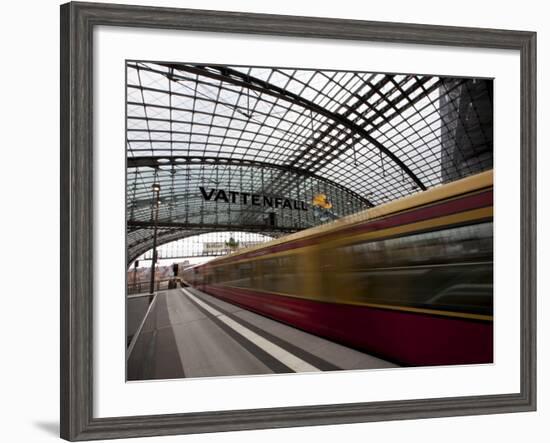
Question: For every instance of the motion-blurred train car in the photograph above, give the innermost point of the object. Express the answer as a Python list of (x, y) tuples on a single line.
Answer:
[(410, 281)]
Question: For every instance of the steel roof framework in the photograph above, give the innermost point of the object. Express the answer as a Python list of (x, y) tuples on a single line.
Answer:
[(360, 138)]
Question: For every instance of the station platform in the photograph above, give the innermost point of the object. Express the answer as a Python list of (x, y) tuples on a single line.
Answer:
[(187, 333)]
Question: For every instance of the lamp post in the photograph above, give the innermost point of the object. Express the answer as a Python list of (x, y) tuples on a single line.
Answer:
[(155, 217), (136, 264)]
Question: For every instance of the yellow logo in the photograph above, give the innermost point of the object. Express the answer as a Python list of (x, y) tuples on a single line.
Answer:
[(321, 201)]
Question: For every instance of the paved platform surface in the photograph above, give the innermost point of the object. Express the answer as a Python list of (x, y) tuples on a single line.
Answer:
[(187, 333)]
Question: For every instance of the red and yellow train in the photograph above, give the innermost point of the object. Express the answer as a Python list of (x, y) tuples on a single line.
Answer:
[(410, 281)]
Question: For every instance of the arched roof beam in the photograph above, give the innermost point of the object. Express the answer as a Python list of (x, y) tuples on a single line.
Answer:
[(158, 161), (225, 74), (146, 243), (211, 226)]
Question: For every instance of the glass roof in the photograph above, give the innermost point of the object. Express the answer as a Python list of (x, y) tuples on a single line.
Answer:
[(361, 138)]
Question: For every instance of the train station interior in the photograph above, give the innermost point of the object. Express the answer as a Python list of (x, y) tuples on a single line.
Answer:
[(224, 159)]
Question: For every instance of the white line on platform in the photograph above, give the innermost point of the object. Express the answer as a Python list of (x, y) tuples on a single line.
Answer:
[(285, 357), (138, 331)]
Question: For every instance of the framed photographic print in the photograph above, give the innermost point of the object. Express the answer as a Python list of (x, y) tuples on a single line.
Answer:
[(274, 221)]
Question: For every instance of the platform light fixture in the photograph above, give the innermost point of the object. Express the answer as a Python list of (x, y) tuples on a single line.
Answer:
[(155, 217)]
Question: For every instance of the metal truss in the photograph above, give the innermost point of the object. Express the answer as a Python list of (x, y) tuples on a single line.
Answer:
[(360, 138)]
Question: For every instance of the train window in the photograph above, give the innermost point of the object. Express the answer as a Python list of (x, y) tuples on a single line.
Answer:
[(450, 269), (466, 242), (280, 274), (220, 274), (241, 275)]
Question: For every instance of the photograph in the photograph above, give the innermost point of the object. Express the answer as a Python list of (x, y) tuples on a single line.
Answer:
[(284, 219), (309, 223), (266, 222)]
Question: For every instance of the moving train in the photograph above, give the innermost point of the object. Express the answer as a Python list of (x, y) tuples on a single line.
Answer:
[(410, 281)]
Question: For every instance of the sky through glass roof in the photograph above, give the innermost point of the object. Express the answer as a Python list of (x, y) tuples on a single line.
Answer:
[(361, 138)]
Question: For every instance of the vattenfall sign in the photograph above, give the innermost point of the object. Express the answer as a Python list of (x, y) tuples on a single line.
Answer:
[(247, 198)]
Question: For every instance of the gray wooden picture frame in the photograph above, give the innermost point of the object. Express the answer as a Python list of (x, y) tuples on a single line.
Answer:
[(77, 24)]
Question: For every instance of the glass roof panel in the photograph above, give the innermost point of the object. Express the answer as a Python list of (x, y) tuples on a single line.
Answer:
[(367, 137)]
